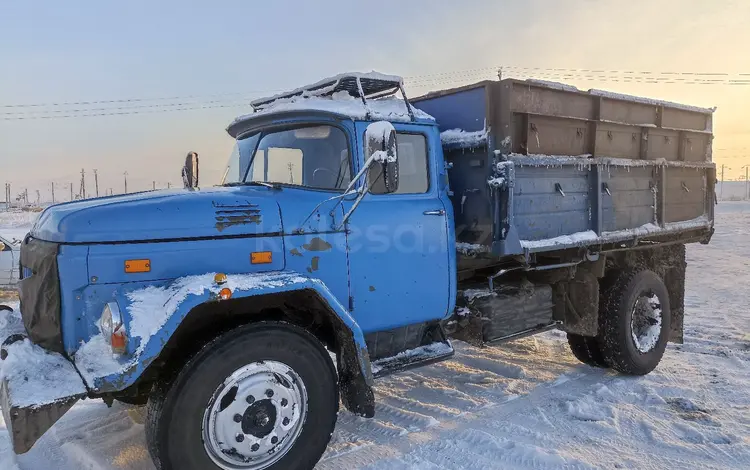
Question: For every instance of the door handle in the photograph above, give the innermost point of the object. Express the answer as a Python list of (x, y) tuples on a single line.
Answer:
[(435, 212)]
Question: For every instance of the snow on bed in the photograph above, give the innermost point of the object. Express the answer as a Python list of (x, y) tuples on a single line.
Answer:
[(463, 139), (525, 404), (650, 101), (586, 161), (589, 236), (554, 85), (577, 238)]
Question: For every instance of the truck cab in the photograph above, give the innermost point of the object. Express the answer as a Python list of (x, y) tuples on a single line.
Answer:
[(332, 228)]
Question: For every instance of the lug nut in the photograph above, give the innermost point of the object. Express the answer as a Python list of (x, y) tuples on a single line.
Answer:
[(239, 437), (286, 422), (284, 402), (250, 399), (255, 447), (269, 393), (274, 440), (237, 418)]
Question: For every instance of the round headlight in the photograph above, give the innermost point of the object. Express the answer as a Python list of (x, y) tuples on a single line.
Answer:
[(106, 324), (111, 321)]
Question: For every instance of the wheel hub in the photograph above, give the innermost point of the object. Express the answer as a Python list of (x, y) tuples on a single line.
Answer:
[(259, 419), (255, 416), (646, 322)]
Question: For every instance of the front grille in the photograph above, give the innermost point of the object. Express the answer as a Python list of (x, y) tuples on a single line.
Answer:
[(39, 293)]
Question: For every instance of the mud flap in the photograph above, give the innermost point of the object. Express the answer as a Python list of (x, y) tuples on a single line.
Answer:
[(38, 387), (27, 424)]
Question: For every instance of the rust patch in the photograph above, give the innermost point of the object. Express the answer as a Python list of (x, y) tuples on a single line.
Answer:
[(372, 288), (295, 252), (224, 221), (317, 244), (236, 214), (314, 264)]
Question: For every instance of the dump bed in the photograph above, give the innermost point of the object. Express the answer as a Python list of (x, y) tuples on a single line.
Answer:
[(540, 166)]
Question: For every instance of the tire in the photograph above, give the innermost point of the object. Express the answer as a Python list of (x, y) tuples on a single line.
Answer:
[(178, 409), (586, 349), (626, 351)]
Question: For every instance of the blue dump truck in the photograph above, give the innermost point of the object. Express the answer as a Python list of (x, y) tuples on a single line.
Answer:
[(354, 233)]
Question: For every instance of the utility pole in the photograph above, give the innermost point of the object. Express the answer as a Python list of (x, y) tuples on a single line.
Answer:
[(500, 73), (26, 196), (96, 182), (169, 185), (82, 191), (53, 192), (154, 185), (721, 191), (747, 182), (38, 197), (71, 191), (126, 182)]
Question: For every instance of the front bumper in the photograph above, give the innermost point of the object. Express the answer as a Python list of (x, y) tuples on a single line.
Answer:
[(37, 387)]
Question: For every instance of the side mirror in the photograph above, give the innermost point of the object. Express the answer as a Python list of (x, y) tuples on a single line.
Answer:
[(190, 171), (382, 175)]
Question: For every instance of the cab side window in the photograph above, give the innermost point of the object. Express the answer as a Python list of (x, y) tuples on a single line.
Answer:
[(413, 172)]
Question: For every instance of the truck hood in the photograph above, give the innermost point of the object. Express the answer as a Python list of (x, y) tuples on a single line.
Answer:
[(176, 214)]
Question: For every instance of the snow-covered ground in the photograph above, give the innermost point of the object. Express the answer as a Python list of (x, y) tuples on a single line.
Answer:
[(525, 404)]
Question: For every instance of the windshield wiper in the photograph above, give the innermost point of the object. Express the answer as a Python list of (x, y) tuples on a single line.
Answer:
[(255, 183)]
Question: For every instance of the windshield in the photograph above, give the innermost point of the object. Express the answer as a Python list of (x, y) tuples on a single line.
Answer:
[(312, 156)]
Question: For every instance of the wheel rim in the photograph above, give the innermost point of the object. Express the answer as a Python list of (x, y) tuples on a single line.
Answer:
[(646, 322), (255, 416)]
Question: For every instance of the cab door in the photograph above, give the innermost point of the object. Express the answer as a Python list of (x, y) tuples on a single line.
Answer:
[(399, 259)]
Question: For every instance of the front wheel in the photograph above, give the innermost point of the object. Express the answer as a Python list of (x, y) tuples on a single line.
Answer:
[(263, 396), (634, 321)]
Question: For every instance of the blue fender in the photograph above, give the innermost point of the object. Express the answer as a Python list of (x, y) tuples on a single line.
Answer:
[(152, 313)]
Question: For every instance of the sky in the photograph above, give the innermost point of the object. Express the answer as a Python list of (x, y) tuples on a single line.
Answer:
[(217, 56)]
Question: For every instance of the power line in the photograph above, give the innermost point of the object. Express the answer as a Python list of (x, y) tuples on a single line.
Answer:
[(132, 100), (433, 77), (119, 108), (66, 116)]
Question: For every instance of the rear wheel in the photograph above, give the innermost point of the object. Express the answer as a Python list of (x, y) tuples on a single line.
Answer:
[(586, 350), (263, 396), (634, 322)]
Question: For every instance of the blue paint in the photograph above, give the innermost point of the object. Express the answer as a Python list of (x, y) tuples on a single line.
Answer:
[(464, 110)]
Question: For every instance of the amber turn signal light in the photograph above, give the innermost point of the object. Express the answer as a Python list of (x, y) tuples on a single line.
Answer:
[(225, 293), (260, 257), (137, 266)]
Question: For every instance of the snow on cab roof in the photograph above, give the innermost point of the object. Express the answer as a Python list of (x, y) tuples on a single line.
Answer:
[(341, 94)]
